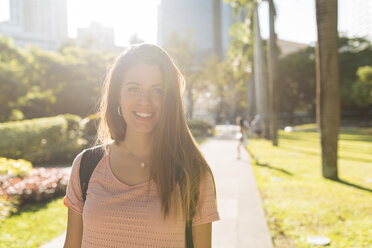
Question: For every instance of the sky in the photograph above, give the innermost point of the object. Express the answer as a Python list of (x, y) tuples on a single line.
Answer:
[(295, 18)]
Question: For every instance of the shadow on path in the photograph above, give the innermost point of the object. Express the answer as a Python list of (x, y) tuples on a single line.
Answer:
[(272, 168), (267, 165), (351, 184)]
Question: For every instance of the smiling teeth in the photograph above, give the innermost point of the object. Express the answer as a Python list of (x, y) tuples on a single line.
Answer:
[(144, 115)]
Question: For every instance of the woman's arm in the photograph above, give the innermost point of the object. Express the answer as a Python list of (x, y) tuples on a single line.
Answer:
[(202, 235), (74, 230)]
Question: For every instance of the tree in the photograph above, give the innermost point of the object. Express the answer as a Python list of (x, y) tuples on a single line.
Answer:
[(240, 56), (11, 88), (296, 79), (217, 38), (224, 87), (264, 91), (296, 83), (68, 81), (259, 77), (328, 100), (44, 83), (135, 39), (83, 84), (182, 49), (272, 64), (362, 89), (13, 83), (353, 54)]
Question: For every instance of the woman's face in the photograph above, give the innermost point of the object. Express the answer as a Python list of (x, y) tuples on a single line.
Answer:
[(141, 98)]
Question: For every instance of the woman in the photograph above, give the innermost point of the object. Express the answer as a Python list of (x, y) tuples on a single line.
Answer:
[(152, 179), (242, 135)]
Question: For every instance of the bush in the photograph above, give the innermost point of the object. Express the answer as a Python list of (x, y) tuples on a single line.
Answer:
[(200, 128), (7, 207), (40, 185), (362, 89), (90, 127), (14, 167), (43, 140)]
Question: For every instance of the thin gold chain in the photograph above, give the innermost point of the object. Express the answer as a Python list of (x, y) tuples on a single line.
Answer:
[(142, 162)]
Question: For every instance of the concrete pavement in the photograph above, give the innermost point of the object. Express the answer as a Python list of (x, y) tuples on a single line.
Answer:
[(242, 223), (57, 242)]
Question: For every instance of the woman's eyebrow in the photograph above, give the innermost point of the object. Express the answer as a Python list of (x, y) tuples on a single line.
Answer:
[(131, 82)]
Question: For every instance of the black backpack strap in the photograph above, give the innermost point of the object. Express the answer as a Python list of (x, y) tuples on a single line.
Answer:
[(190, 243), (89, 161)]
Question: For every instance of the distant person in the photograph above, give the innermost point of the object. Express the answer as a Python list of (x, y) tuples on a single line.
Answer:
[(152, 183), (242, 135)]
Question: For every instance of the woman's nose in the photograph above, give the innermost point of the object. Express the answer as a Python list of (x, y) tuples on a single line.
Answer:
[(145, 95)]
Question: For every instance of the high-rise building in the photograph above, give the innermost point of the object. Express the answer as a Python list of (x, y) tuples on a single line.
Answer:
[(287, 47), (37, 22), (16, 12), (207, 20), (97, 35), (360, 18)]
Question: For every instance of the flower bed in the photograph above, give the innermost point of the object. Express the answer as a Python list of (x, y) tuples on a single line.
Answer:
[(39, 185)]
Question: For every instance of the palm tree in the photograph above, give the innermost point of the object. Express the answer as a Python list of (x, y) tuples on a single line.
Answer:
[(327, 86), (259, 78), (217, 38), (272, 64), (257, 64)]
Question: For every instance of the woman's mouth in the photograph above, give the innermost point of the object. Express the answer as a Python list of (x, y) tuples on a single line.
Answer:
[(143, 115)]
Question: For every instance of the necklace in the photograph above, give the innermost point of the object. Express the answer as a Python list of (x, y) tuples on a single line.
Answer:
[(142, 162)]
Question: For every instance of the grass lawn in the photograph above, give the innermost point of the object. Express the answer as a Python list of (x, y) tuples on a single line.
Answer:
[(34, 225), (300, 203)]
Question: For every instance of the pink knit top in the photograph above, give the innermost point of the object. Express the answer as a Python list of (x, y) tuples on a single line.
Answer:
[(118, 215)]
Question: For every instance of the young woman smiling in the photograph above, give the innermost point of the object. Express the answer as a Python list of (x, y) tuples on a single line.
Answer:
[(152, 181)]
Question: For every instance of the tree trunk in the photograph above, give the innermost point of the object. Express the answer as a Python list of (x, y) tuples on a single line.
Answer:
[(250, 99), (259, 79), (217, 37), (190, 104), (327, 87), (272, 77)]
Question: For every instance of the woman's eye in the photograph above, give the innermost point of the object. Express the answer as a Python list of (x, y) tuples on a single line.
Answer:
[(134, 89), (158, 91)]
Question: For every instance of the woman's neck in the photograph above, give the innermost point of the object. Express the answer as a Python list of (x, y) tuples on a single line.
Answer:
[(138, 144)]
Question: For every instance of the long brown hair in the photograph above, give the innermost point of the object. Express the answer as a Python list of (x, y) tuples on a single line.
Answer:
[(176, 157)]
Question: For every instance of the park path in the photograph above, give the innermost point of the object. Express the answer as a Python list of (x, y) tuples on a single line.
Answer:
[(242, 223)]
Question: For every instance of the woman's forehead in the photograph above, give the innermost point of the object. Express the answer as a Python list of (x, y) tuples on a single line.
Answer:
[(143, 73)]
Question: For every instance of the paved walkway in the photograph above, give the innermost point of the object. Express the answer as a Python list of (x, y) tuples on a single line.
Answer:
[(242, 223)]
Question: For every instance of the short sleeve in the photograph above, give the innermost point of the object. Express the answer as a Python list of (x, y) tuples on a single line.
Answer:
[(206, 209), (73, 198)]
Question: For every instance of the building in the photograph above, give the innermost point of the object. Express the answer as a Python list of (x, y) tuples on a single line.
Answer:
[(97, 34), (360, 18), (287, 47), (41, 23), (208, 21)]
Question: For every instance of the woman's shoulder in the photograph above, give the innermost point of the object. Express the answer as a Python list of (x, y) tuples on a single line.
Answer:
[(99, 150), (77, 159), (206, 178), (75, 167)]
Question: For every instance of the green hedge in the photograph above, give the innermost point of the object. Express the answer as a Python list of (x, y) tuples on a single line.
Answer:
[(43, 140), (200, 128), (90, 126)]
